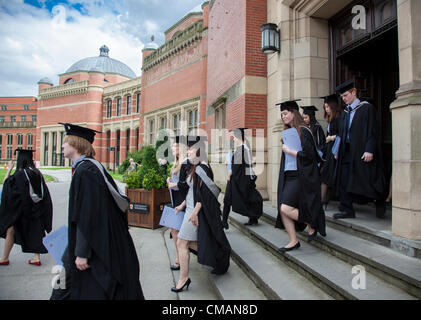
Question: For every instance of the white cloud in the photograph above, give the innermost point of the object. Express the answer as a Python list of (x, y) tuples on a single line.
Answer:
[(37, 44)]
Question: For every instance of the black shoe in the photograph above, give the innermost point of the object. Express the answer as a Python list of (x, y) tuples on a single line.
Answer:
[(283, 249), (344, 215), (225, 225), (381, 211), (251, 222), (175, 267), (187, 283), (324, 204), (312, 236)]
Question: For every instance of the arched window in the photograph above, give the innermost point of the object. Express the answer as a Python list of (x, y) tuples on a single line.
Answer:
[(70, 80)]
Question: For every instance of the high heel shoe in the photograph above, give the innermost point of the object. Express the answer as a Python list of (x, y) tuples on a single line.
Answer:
[(5, 263), (186, 284)]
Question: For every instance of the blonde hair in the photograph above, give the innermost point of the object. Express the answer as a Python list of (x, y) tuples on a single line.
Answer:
[(82, 146)]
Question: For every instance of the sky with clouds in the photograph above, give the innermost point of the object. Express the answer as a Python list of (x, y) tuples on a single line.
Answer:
[(43, 38)]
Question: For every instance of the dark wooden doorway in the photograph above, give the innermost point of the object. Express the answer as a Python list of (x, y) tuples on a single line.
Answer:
[(371, 58)]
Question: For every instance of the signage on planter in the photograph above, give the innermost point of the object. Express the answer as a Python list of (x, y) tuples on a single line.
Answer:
[(138, 208), (162, 205)]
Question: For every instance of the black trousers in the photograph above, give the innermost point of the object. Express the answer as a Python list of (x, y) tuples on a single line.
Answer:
[(345, 198)]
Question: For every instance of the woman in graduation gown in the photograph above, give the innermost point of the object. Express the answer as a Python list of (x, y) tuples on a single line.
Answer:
[(26, 210), (202, 227), (178, 187), (299, 190), (245, 199), (329, 170), (100, 261), (309, 117)]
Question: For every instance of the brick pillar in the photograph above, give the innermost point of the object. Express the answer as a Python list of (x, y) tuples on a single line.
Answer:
[(123, 152)]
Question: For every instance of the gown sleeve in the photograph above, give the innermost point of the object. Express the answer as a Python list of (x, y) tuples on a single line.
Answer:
[(82, 248)]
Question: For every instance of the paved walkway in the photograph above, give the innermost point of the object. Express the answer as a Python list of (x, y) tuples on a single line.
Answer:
[(21, 281)]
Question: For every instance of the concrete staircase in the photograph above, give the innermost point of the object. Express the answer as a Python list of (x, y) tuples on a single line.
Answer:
[(320, 270), (323, 268)]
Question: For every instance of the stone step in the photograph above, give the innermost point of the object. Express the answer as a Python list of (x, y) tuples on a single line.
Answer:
[(234, 285), (327, 271), (396, 268), (368, 227), (275, 279)]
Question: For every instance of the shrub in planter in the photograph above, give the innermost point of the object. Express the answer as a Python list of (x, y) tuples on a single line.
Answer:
[(132, 180), (153, 180)]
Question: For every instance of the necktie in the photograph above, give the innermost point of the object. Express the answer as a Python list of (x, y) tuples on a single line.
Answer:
[(347, 122)]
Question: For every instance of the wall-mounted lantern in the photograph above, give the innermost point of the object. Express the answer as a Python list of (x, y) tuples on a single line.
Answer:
[(270, 38)]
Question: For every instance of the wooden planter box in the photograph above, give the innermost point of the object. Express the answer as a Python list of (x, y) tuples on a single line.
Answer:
[(144, 209)]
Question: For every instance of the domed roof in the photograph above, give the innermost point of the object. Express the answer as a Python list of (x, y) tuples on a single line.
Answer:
[(102, 63), (45, 80)]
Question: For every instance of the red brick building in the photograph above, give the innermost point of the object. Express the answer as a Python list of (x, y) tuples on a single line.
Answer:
[(236, 77), (174, 79), (79, 99), (18, 119)]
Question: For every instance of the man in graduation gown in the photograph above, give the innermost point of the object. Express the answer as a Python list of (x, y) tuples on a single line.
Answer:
[(100, 261), (244, 197), (360, 158)]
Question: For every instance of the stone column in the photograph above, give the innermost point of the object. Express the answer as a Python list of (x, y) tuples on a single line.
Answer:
[(50, 147), (113, 143), (406, 125)]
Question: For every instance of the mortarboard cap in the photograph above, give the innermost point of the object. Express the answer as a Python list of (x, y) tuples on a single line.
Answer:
[(289, 105), (180, 139), (192, 140), (239, 133), (310, 110), (330, 98), (344, 87), (24, 152), (75, 130)]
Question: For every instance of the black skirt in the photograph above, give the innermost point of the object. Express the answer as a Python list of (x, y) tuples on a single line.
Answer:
[(291, 189)]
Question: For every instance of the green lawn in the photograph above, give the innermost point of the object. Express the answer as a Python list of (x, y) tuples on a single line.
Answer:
[(3, 173), (116, 175)]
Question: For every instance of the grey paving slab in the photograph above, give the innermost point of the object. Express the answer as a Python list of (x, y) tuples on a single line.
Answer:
[(21, 281), (200, 288), (329, 268), (155, 276), (281, 279)]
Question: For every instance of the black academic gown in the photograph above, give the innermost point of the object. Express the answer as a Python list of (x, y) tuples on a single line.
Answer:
[(114, 265), (244, 197), (319, 136), (31, 221), (180, 195), (366, 179), (310, 207), (212, 244), (329, 171)]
